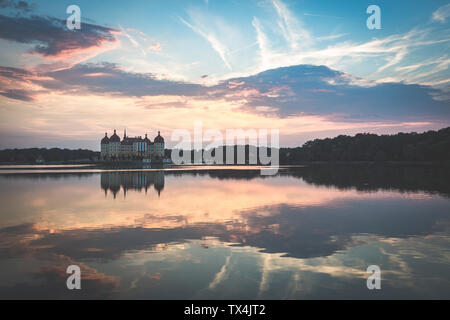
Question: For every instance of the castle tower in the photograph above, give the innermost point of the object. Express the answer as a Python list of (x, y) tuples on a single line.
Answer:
[(104, 147)]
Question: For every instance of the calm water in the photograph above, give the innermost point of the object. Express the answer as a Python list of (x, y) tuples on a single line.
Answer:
[(306, 233)]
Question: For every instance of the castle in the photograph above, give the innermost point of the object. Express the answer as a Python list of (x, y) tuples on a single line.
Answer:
[(128, 148)]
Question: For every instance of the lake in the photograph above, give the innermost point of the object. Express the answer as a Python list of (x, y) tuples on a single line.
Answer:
[(305, 233)]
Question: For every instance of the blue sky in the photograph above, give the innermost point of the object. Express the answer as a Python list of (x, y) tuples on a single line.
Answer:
[(197, 47), (177, 26), (182, 29)]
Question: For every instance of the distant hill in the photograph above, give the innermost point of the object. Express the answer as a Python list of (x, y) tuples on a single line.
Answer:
[(34, 155), (427, 146)]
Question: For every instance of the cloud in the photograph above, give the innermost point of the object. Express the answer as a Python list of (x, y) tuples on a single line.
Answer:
[(108, 78), (383, 54), (17, 94), (14, 73), (50, 37), (263, 44), (303, 90), (213, 39), (19, 5), (141, 40), (331, 37), (426, 69), (442, 13), (319, 90), (98, 79), (16, 84), (155, 47), (292, 28), (267, 224), (321, 15), (224, 37), (222, 275)]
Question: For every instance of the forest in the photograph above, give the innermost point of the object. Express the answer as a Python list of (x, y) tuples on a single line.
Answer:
[(430, 146), (33, 155), (427, 146)]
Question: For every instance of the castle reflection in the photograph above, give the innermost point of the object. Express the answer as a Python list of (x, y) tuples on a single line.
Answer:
[(134, 181)]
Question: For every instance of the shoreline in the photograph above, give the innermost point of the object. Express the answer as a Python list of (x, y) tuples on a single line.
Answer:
[(137, 166)]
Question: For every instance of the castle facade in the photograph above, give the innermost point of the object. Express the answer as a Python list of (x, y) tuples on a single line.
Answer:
[(129, 148)]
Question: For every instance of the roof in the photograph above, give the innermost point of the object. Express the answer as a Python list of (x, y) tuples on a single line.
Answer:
[(105, 139), (114, 137), (130, 141), (159, 139)]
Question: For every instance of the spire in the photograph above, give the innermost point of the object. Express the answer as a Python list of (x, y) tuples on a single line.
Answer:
[(114, 131), (124, 133), (158, 132), (106, 134)]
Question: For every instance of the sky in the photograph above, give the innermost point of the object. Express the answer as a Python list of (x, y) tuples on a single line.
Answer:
[(312, 69)]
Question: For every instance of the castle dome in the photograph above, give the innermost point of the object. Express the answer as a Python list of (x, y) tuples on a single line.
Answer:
[(105, 139), (146, 139), (159, 139), (114, 137)]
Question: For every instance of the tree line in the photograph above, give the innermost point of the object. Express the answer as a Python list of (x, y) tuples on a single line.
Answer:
[(427, 146), (33, 155)]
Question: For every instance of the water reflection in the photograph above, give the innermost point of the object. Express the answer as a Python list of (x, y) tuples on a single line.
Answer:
[(306, 233), (135, 181)]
